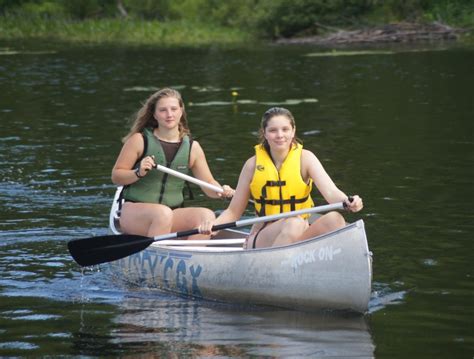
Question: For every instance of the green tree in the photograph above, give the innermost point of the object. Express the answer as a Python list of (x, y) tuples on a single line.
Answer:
[(291, 17), (83, 9)]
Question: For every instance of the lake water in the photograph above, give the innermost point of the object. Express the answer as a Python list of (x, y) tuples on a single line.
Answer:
[(394, 125)]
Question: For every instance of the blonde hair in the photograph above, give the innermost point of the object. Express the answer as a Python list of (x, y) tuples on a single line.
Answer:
[(145, 116), (267, 116)]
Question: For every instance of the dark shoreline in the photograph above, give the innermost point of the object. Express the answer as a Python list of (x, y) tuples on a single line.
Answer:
[(402, 32)]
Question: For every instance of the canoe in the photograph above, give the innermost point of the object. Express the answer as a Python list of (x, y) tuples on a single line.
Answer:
[(328, 272)]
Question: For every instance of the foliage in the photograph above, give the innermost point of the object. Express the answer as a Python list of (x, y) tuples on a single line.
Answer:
[(404, 9), (458, 12), (45, 9), (84, 9), (137, 32), (266, 18), (150, 9), (6, 5), (291, 17)]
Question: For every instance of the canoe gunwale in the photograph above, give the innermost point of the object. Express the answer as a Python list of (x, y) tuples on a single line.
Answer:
[(304, 243)]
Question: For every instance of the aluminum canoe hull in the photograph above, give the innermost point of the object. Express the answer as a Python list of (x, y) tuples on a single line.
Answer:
[(329, 272)]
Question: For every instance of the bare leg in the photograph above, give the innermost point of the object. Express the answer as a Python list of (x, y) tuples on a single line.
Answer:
[(280, 233), (190, 218), (146, 219), (324, 224)]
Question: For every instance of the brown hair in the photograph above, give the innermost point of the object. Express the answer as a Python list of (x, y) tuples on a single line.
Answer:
[(267, 116), (144, 117)]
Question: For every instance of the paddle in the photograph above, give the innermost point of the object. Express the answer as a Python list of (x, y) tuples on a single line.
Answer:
[(103, 249), (189, 178)]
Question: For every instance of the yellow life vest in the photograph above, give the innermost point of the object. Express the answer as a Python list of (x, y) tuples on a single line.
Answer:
[(279, 191)]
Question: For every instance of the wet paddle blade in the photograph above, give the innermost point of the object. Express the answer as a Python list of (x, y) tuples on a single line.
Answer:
[(102, 249)]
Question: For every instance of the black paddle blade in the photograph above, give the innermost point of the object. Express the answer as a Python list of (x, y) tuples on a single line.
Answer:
[(103, 249)]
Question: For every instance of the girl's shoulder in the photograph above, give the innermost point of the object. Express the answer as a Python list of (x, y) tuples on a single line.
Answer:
[(308, 161), (135, 141), (137, 136), (307, 155), (195, 146), (250, 164)]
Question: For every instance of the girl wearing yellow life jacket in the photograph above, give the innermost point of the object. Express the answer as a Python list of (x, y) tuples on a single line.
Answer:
[(279, 179), (153, 200)]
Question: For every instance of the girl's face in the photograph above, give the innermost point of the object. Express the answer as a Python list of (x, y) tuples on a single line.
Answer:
[(279, 133), (168, 112)]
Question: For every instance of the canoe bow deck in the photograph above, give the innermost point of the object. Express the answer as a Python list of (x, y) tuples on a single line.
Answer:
[(333, 271)]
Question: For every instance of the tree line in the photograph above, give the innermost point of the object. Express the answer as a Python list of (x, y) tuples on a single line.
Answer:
[(266, 18)]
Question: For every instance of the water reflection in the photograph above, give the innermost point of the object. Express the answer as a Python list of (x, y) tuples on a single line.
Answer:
[(287, 102), (207, 329)]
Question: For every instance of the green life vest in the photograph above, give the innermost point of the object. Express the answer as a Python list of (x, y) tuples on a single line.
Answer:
[(157, 186)]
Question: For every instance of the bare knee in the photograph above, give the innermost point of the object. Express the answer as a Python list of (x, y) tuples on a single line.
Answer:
[(207, 215), (190, 218), (162, 213), (327, 223), (162, 220), (146, 219), (293, 228), (194, 218), (333, 221)]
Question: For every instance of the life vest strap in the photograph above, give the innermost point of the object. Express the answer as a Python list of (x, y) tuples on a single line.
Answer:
[(275, 183), (277, 202)]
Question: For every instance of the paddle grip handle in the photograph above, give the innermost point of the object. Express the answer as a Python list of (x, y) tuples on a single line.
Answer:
[(350, 199), (218, 227)]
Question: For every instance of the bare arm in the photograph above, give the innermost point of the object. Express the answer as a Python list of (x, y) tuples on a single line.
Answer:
[(132, 150), (200, 169), (241, 197), (311, 167), (238, 203)]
